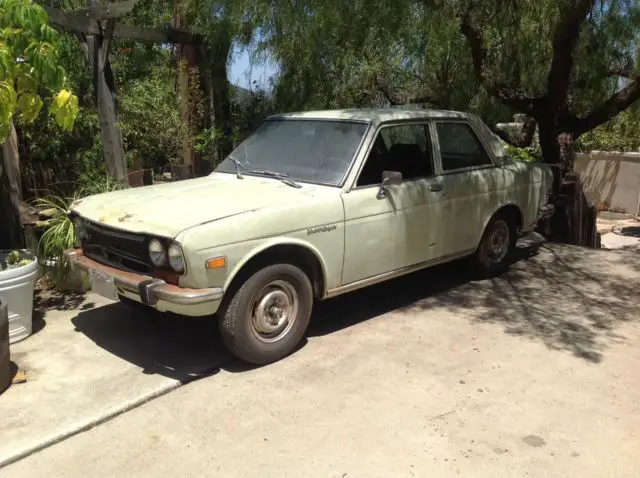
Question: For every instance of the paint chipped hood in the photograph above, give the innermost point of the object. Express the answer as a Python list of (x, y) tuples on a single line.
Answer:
[(167, 209)]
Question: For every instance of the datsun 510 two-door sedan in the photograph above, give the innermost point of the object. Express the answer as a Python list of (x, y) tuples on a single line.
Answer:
[(310, 206)]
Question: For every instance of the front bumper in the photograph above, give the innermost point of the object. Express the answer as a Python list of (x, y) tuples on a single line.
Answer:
[(151, 291)]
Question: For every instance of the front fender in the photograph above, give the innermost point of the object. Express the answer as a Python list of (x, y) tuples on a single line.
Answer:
[(264, 246)]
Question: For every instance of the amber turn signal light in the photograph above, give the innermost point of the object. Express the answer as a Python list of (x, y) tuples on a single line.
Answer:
[(216, 263)]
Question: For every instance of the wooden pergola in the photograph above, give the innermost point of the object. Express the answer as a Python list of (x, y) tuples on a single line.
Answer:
[(96, 26)]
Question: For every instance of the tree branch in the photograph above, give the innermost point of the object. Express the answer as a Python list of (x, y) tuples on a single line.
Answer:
[(505, 93), (610, 108), (565, 39)]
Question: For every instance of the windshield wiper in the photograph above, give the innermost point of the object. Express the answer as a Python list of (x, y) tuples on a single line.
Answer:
[(238, 165), (281, 176)]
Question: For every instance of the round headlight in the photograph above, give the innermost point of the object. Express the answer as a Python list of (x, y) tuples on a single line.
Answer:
[(157, 253), (176, 261)]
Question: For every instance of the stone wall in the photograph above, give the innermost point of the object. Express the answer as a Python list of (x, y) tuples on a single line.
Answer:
[(611, 180)]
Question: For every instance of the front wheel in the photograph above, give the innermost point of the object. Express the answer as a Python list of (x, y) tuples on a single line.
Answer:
[(497, 245), (268, 315)]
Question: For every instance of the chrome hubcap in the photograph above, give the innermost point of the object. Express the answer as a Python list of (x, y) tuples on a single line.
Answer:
[(274, 311), (498, 241)]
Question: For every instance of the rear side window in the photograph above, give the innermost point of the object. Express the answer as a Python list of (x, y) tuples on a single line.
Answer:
[(460, 147)]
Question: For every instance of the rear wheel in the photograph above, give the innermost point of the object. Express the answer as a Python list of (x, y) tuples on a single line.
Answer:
[(498, 243), (268, 315)]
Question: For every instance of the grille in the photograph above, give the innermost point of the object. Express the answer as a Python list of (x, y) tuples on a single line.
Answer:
[(118, 249)]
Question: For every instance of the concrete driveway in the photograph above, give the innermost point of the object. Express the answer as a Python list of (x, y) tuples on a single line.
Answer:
[(534, 373)]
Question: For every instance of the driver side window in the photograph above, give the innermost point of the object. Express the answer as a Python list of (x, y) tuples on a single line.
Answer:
[(402, 148)]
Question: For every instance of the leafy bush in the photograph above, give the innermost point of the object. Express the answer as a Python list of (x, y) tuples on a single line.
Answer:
[(620, 134), (150, 120), (60, 234), (528, 154)]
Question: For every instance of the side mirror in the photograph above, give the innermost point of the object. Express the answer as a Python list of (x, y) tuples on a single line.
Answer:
[(389, 178)]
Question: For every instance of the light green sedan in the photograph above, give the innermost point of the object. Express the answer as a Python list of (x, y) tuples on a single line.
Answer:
[(310, 206)]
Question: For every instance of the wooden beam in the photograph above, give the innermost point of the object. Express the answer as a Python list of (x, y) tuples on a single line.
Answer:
[(74, 22), (106, 12), (166, 34)]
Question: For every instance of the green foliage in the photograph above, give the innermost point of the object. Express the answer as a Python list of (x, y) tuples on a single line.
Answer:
[(15, 258), (59, 231), (12, 258), (59, 235), (620, 134), (150, 118), (28, 62), (528, 154)]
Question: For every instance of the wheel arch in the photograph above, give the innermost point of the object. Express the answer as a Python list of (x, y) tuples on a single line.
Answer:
[(291, 251), (510, 208)]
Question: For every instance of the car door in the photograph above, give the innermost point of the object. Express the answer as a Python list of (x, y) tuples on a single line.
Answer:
[(471, 183), (384, 234)]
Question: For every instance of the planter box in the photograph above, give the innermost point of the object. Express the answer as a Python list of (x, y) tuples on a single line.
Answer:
[(16, 287)]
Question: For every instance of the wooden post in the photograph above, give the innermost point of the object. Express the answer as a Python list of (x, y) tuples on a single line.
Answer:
[(96, 26), (97, 52)]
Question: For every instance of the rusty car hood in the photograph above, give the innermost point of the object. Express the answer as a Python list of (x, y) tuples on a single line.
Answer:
[(167, 209)]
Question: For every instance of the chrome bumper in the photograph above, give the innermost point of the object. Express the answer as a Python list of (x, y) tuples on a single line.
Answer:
[(149, 289)]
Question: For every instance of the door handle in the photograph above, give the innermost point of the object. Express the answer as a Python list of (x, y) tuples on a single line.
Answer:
[(435, 187)]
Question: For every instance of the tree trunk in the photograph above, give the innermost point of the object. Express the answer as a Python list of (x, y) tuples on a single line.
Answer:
[(193, 93), (190, 92), (221, 96), (11, 233)]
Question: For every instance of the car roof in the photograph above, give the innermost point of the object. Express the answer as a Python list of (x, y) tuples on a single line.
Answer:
[(384, 115), (376, 115)]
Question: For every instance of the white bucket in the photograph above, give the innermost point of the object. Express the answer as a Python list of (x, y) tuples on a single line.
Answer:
[(16, 288)]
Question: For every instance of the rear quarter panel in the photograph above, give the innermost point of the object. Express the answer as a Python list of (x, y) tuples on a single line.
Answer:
[(527, 186)]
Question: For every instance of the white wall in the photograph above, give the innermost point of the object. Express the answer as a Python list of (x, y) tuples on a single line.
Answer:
[(611, 180)]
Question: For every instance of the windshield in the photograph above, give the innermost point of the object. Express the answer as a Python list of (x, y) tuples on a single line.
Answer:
[(315, 151)]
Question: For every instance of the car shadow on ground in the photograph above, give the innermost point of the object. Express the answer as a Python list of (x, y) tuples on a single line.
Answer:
[(569, 298), (177, 347)]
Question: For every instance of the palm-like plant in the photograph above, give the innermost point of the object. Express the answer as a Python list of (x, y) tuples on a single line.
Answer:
[(60, 234)]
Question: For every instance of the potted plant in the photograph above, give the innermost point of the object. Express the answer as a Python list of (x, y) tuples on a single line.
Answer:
[(18, 274)]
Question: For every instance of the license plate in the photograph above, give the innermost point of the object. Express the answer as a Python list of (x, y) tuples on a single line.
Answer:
[(103, 285)]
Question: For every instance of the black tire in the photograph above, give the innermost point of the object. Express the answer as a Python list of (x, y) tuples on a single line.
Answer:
[(272, 289), (488, 261)]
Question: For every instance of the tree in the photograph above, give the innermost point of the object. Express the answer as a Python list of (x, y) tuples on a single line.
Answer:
[(28, 65), (569, 73), (569, 65)]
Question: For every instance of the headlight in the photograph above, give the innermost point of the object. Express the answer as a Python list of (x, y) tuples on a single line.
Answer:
[(157, 253), (176, 260)]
